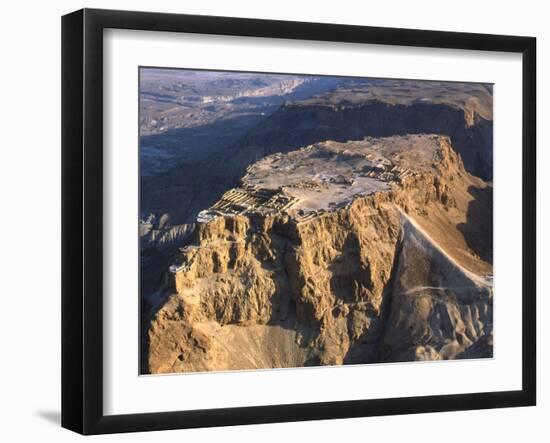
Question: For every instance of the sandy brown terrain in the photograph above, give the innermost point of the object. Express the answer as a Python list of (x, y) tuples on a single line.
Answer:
[(291, 220), (336, 253)]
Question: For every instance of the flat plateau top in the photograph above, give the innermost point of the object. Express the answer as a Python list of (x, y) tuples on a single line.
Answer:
[(330, 174)]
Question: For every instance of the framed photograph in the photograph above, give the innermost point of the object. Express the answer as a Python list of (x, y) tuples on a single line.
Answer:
[(269, 221)]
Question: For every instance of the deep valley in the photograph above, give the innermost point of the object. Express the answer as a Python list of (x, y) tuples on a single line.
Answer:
[(299, 221)]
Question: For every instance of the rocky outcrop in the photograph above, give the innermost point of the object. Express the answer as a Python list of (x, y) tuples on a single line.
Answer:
[(296, 125), (283, 88), (438, 310), (387, 277)]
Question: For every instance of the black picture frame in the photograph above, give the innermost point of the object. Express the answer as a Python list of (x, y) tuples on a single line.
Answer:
[(82, 215)]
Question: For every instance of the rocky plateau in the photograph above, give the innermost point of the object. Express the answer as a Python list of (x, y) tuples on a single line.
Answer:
[(338, 252)]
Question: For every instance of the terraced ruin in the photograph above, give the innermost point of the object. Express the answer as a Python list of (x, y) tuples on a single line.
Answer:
[(350, 227), (333, 254)]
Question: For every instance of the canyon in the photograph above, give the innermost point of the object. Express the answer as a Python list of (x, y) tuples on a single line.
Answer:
[(350, 226)]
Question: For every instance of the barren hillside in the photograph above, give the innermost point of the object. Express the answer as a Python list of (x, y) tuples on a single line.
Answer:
[(338, 252)]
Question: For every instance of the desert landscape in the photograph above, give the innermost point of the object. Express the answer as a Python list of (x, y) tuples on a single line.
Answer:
[(295, 220)]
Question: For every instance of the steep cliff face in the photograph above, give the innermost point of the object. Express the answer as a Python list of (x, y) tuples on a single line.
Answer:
[(299, 124), (387, 276), (438, 309)]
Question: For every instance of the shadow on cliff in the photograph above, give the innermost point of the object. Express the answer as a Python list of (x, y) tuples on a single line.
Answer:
[(199, 169), (287, 312), (478, 229), (369, 347), (351, 278), (292, 127), (199, 142)]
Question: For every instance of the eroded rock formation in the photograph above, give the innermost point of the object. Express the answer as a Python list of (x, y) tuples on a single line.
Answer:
[(384, 273)]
